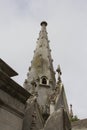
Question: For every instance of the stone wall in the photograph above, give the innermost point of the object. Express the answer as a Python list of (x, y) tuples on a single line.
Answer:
[(11, 112), (9, 121), (58, 121), (79, 125), (33, 119)]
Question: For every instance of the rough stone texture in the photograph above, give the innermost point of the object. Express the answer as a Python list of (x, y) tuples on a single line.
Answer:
[(9, 121), (11, 103), (58, 121), (12, 88), (33, 118), (80, 125), (12, 100), (11, 112), (61, 100), (43, 93), (41, 66)]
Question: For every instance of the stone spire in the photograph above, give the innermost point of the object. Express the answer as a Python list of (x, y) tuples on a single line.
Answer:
[(41, 75), (42, 63)]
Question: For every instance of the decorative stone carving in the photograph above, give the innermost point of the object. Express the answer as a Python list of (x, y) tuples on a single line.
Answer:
[(33, 124), (29, 68), (40, 46), (28, 74), (26, 81), (52, 60)]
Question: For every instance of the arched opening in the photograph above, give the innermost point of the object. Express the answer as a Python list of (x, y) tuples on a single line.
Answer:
[(44, 80)]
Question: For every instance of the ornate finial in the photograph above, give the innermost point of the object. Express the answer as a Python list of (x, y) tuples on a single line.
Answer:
[(71, 111), (43, 32), (43, 23), (59, 74)]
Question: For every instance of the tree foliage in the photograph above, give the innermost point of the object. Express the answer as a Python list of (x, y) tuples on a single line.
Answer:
[(74, 118)]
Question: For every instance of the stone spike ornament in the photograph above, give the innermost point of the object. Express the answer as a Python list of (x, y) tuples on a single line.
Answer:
[(59, 74)]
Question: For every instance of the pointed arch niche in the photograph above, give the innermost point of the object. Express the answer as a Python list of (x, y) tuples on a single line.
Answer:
[(44, 80)]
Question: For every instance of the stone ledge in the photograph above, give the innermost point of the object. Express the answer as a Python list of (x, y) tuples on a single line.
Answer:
[(12, 88), (12, 110), (11, 104), (7, 69)]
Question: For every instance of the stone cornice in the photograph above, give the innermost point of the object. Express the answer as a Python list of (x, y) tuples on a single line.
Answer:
[(12, 88), (7, 69)]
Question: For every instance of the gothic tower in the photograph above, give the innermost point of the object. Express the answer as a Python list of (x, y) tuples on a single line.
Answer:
[(41, 76)]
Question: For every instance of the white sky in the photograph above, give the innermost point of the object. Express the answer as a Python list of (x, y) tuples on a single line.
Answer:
[(67, 32)]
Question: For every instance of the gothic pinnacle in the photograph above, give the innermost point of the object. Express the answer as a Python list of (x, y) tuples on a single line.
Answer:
[(71, 111)]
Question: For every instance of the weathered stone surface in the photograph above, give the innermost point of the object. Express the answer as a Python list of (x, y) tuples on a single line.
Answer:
[(33, 118), (80, 125), (42, 66), (11, 103), (9, 121), (11, 112), (61, 100), (58, 121), (12, 100), (41, 80), (7, 69), (12, 88)]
